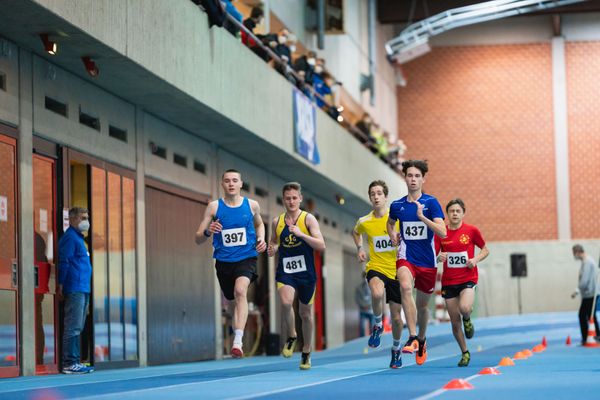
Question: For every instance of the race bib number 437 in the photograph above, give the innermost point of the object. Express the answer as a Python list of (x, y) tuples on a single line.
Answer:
[(234, 237), (382, 244), (414, 230)]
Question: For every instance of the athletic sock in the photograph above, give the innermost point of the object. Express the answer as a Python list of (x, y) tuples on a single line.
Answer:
[(239, 334), (378, 320), (396, 344)]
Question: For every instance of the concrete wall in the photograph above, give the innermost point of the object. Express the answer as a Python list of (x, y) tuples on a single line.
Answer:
[(9, 98)]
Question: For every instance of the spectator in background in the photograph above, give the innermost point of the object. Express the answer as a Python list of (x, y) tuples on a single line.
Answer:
[(587, 289), (256, 18), (231, 10), (362, 296), (364, 126), (305, 66)]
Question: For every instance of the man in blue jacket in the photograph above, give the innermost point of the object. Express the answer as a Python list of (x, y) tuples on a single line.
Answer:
[(74, 277)]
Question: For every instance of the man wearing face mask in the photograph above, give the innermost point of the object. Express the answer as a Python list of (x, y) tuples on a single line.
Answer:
[(74, 277)]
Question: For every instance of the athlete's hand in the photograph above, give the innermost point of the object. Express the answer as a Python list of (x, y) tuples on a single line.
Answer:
[(295, 231), (471, 263), (362, 256), (442, 257), (395, 238), (215, 227), (261, 246), (420, 208), (271, 250)]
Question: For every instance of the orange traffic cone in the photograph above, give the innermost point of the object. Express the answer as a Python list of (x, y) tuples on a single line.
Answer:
[(590, 341), (506, 362), (544, 342), (519, 356), (458, 384), (489, 371), (538, 348), (387, 327), (527, 352), (568, 342)]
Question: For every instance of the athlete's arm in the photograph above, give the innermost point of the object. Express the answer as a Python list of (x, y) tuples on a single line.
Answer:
[(479, 257), (208, 226), (315, 239), (391, 230), (358, 241), (273, 246), (437, 225), (259, 227)]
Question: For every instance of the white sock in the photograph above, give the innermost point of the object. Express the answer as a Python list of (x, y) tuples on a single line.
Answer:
[(378, 319), (239, 334)]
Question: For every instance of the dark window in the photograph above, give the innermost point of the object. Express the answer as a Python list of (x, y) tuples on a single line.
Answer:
[(261, 192), (279, 201), (334, 224), (2, 81), (326, 221), (158, 151), (246, 187), (317, 216), (180, 160), (56, 106), (200, 167), (119, 134), (89, 120)]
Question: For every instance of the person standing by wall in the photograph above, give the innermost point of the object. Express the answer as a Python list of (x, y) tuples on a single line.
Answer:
[(588, 274), (362, 297), (74, 278)]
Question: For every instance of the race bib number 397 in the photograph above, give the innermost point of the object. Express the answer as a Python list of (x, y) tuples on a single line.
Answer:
[(293, 265), (234, 237), (382, 244), (457, 260), (414, 230)]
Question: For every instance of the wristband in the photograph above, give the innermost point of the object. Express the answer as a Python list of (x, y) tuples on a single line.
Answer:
[(206, 233)]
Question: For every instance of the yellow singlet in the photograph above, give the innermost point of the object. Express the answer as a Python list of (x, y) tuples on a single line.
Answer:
[(382, 254)]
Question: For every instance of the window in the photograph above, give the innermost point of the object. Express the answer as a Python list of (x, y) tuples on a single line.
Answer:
[(246, 187), (180, 160), (2, 81), (89, 120), (333, 224), (326, 221), (199, 167), (279, 201), (261, 192), (56, 106), (158, 151), (116, 133)]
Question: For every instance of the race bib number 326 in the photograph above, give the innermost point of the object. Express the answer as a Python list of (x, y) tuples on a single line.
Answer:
[(457, 260), (382, 244), (414, 230), (234, 237)]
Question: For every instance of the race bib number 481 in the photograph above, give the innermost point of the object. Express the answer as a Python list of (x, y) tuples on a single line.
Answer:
[(414, 230), (293, 265), (382, 244), (234, 237)]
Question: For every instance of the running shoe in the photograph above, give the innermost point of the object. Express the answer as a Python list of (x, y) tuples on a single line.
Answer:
[(396, 361), (375, 339), (469, 328), (305, 361), (464, 360), (77, 369), (421, 355), (288, 347), (236, 350), (412, 345)]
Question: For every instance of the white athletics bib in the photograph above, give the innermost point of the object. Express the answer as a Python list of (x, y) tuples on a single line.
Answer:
[(382, 244), (293, 265), (457, 260), (414, 230), (233, 237)]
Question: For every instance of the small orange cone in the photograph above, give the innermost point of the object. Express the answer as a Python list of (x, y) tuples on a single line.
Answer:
[(538, 348), (458, 384), (10, 357), (590, 341), (527, 352), (506, 362), (568, 342), (489, 371), (544, 342), (519, 356)]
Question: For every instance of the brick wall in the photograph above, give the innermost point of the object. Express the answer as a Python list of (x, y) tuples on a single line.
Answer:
[(482, 116), (583, 94)]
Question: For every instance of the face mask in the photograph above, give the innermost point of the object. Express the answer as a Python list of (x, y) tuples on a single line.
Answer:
[(84, 226), (282, 39), (311, 61), (293, 48), (318, 69)]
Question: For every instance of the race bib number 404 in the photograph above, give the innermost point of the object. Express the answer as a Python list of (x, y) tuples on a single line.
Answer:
[(293, 265), (414, 230), (234, 237), (457, 260), (382, 244)]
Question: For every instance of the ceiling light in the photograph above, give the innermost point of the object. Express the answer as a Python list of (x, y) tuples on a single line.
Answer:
[(90, 66), (49, 46)]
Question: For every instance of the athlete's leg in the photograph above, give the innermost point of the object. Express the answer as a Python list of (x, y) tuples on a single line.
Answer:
[(377, 287), (467, 297), (286, 295), (306, 315), (395, 311), (422, 305), (453, 307), (240, 291), (405, 278)]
